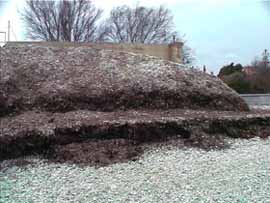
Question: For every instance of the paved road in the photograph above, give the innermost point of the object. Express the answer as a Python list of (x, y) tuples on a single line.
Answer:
[(257, 99)]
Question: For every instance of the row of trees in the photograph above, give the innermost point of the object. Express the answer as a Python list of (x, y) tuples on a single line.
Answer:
[(253, 78), (80, 20)]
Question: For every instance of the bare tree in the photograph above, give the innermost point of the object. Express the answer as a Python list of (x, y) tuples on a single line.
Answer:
[(142, 25), (188, 55), (139, 25), (63, 20)]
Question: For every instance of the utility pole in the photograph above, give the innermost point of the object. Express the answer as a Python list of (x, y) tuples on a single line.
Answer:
[(204, 68), (265, 58), (8, 31)]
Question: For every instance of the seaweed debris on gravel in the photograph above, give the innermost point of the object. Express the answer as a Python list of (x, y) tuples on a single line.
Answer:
[(163, 174)]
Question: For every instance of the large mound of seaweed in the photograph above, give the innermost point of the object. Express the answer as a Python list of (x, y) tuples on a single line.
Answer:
[(61, 79), (95, 106)]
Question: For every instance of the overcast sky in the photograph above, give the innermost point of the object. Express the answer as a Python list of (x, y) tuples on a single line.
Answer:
[(219, 31)]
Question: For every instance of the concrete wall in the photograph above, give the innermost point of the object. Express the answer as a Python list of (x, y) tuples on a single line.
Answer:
[(257, 99), (171, 52)]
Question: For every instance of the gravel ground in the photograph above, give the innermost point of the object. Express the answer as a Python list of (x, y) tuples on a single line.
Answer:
[(164, 174)]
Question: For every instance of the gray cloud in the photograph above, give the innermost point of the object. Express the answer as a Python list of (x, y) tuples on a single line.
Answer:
[(2, 5)]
